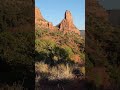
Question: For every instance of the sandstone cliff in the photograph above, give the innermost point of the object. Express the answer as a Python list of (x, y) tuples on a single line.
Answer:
[(67, 24), (41, 22)]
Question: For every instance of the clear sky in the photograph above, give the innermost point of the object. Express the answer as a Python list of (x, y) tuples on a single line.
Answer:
[(53, 11)]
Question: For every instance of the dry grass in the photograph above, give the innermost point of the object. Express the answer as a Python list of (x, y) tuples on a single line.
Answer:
[(82, 69), (58, 72), (61, 72), (41, 67), (53, 73)]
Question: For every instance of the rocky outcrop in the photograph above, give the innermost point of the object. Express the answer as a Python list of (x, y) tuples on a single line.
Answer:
[(67, 24), (38, 14), (41, 22)]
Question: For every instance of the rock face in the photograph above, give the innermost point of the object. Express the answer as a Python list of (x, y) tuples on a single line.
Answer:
[(41, 22), (38, 14), (67, 24)]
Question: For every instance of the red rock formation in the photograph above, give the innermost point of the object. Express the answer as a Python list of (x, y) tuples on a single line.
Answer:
[(41, 22), (38, 14), (67, 24)]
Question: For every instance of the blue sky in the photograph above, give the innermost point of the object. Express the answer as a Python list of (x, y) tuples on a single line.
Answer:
[(53, 11)]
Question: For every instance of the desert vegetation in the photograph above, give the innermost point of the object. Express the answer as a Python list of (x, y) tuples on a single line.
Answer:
[(58, 55)]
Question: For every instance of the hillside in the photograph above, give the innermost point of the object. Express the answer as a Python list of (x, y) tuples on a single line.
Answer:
[(59, 50)]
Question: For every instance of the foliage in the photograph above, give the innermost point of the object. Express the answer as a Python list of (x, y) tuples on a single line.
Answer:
[(55, 47), (16, 56), (53, 54)]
